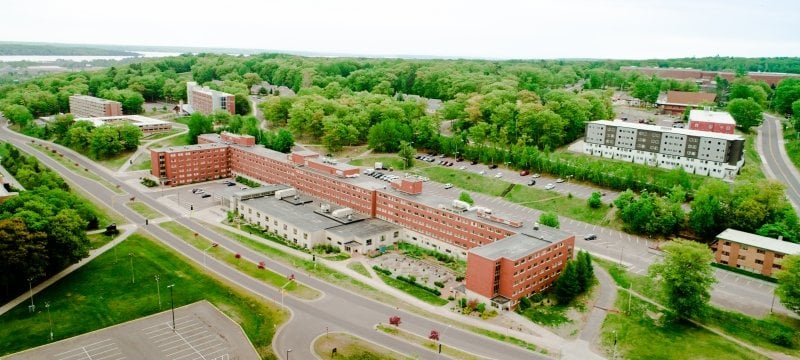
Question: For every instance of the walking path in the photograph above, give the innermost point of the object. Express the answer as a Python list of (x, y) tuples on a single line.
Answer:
[(145, 148), (129, 229), (606, 296), (756, 349)]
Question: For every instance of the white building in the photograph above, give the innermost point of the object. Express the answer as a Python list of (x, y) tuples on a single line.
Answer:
[(146, 124), (698, 152)]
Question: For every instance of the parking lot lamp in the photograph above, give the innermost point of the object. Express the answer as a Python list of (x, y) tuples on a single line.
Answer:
[(158, 290), (30, 288), (49, 319), (287, 353), (172, 304)]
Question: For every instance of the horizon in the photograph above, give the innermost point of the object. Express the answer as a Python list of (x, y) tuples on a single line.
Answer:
[(508, 30)]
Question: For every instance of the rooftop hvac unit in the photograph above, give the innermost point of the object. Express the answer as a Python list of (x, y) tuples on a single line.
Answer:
[(325, 208), (340, 213)]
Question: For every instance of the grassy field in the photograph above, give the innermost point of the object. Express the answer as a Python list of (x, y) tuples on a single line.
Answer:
[(792, 145), (268, 276), (114, 163), (358, 267), (144, 210), (142, 162), (412, 290), (466, 180), (759, 332), (752, 161), (351, 347), (427, 343), (560, 204), (76, 168), (554, 315), (101, 294), (161, 135), (642, 336), (388, 161), (174, 141), (98, 240)]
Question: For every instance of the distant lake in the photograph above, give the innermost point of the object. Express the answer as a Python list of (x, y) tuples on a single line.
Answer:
[(78, 58)]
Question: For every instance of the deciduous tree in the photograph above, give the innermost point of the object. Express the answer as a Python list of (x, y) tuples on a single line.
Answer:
[(549, 219), (788, 289), (686, 277), (746, 112)]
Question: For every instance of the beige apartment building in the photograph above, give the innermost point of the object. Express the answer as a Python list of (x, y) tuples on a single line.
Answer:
[(90, 106), (751, 252)]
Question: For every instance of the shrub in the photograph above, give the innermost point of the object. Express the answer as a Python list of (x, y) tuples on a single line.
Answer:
[(438, 284), (537, 298), (781, 338), (381, 270), (460, 278), (524, 304), (412, 280), (481, 307), (149, 182)]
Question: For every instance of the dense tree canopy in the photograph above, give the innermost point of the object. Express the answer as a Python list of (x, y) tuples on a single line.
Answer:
[(789, 283), (746, 112)]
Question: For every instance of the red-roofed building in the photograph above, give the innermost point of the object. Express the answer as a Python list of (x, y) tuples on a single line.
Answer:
[(676, 102)]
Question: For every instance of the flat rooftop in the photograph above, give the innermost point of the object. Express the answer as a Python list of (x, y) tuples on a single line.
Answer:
[(94, 99), (364, 229), (522, 244), (720, 117), (763, 242), (133, 119), (177, 149), (201, 332), (689, 132), (302, 216)]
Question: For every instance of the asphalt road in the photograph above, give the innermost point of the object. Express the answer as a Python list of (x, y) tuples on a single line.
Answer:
[(776, 162), (337, 310)]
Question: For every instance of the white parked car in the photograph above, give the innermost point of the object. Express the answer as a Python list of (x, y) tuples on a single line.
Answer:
[(482, 172), (549, 186), (448, 185), (462, 167), (499, 175), (537, 175), (559, 180)]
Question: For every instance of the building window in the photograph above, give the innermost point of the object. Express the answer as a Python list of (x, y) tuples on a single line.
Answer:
[(369, 242), (760, 251), (396, 234)]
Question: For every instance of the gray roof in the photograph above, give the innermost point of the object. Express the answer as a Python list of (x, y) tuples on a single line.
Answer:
[(520, 245), (698, 133), (302, 216), (364, 229), (177, 149), (763, 242)]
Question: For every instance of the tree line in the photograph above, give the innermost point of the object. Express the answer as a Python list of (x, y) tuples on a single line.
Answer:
[(42, 229), (219, 121)]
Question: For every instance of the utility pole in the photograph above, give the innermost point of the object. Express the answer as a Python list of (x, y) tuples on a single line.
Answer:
[(172, 304), (158, 289), (133, 275), (49, 319)]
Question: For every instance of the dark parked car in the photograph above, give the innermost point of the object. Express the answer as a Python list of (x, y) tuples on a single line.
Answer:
[(449, 164), (532, 182), (474, 162), (493, 166), (524, 173), (590, 237), (206, 196)]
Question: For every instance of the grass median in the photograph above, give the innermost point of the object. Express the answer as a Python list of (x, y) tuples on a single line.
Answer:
[(426, 343), (358, 267), (352, 347), (268, 276), (102, 293), (69, 164), (144, 210)]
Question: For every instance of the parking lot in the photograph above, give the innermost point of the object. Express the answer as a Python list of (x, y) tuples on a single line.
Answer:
[(201, 332), (566, 186), (196, 197)]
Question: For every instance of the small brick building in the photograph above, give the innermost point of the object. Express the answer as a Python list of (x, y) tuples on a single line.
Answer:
[(751, 252)]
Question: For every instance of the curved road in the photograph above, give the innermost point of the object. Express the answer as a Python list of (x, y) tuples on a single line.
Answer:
[(776, 162), (337, 310)]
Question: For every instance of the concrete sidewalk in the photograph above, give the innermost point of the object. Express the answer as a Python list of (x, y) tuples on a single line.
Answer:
[(129, 229)]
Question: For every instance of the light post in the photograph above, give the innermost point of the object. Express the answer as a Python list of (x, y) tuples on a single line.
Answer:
[(773, 301), (620, 255), (204, 254), (133, 275), (287, 353), (30, 288), (440, 340), (49, 319), (172, 304), (158, 289), (615, 345)]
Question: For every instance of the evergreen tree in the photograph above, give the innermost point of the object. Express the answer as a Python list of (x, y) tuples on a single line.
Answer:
[(567, 286)]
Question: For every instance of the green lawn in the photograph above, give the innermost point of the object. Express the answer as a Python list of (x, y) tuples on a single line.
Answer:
[(174, 141), (389, 161), (547, 315), (752, 161), (98, 240), (560, 204), (161, 135), (101, 294), (792, 145), (469, 181), (412, 290), (144, 210), (114, 163), (351, 347), (268, 276), (358, 267), (142, 162), (641, 336), (424, 342)]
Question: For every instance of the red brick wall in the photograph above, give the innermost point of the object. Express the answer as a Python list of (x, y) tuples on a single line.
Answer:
[(480, 275)]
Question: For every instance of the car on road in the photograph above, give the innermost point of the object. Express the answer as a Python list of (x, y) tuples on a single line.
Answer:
[(482, 172), (590, 237), (462, 167), (231, 184), (448, 186), (524, 173), (498, 175), (206, 196), (532, 182), (474, 162), (559, 180), (549, 186), (537, 175), (493, 166)]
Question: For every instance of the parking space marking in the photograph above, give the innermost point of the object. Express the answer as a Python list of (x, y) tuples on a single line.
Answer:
[(101, 350)]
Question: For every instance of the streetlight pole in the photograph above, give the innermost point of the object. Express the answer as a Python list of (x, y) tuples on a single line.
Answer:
[(172, 304), (204, 253), (133, 275), (615, 345), (158, 289), (287, 353), (30, 288), (49, 319), (773, 301)]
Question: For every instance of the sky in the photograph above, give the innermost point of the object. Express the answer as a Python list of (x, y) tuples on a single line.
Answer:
[(495, 29)]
